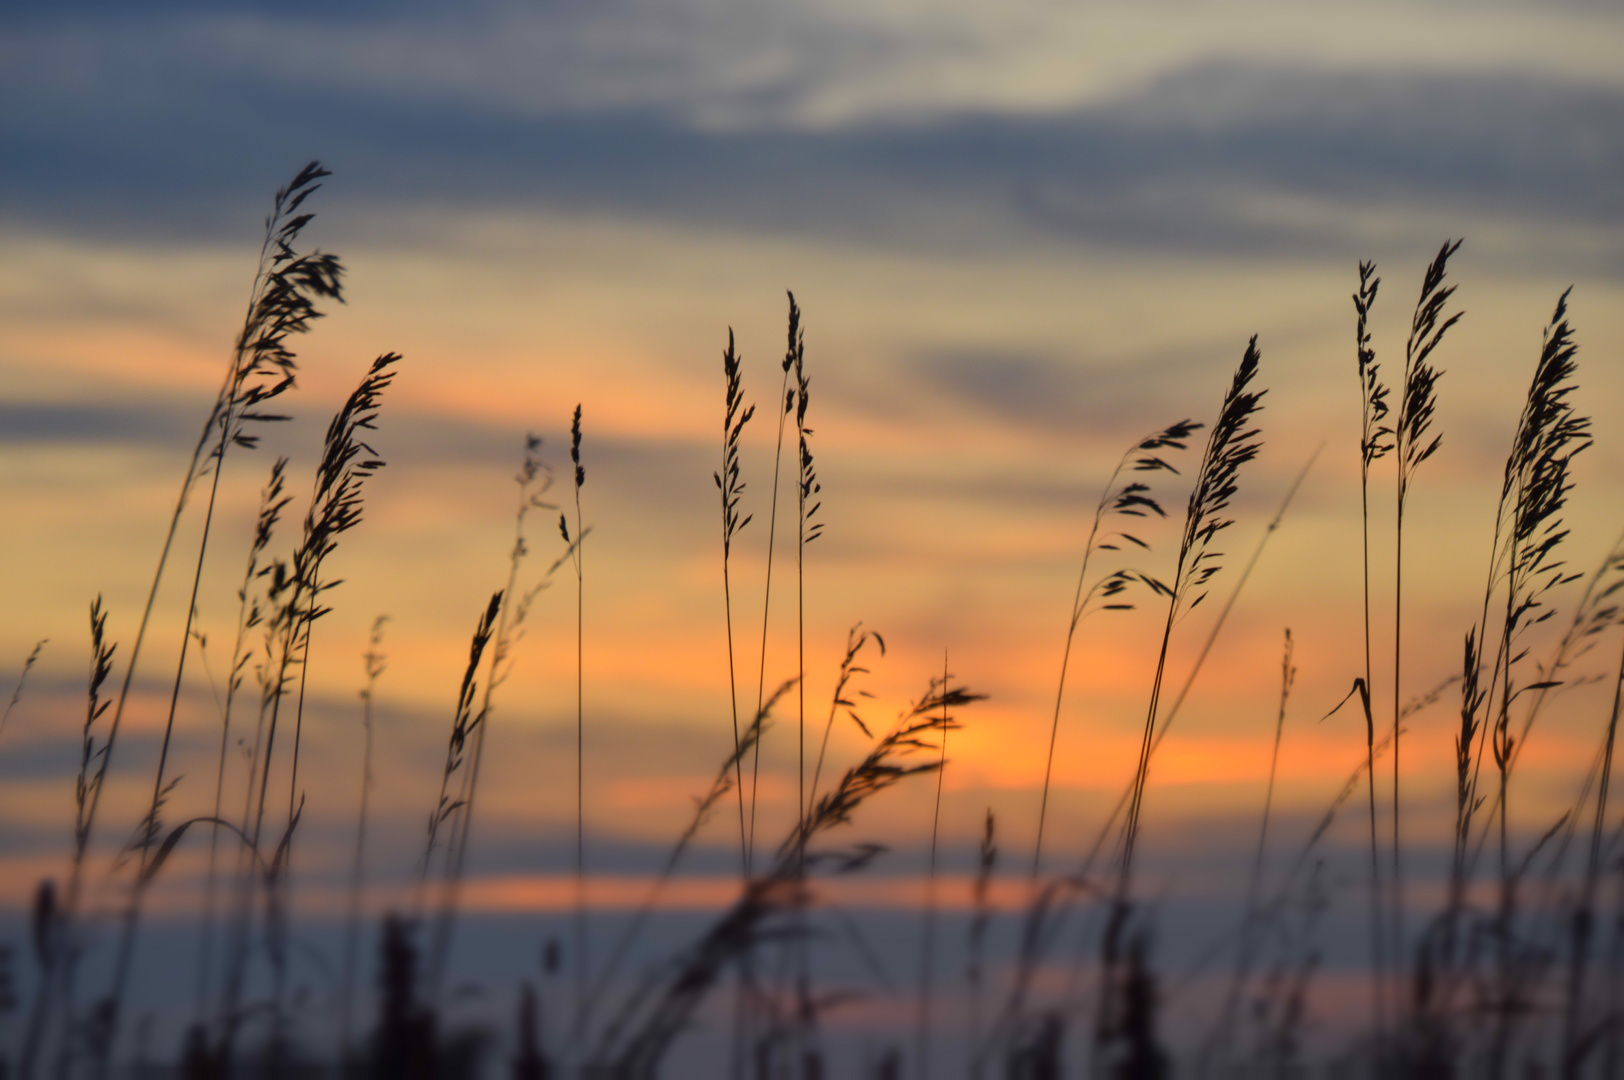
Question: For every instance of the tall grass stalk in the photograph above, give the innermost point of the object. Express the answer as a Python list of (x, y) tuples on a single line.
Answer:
[(1573, 1040), (534, 480), (1252, 917), (297, 592), (792, 357), (1375, 442), (1130, 499), (981, 915), (1218, 623), (582, 1019), (856, 639), (664, 1007), (703, 808), (273, 500), (1538, 478), (464, 720), (927, 943), (22, 679), (373, 662), (731, 488), (1413, 443), (59, 938), (808, 529), (282, 303), (1230, 444)]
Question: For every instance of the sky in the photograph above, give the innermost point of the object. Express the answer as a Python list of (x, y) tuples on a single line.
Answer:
[(1022, 236)]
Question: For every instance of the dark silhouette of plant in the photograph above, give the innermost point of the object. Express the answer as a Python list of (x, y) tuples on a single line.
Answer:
[(582, 1017), (1126, 499), (793, 355), (1230, 444), (282, 302), (373, 664), (250, 614), (56, 943), (1375, 442), (1413, 443), (22, 680), (664, 1007), (534, 480), (731, 488)]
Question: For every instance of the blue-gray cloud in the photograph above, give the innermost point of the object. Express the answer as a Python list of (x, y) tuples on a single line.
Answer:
[(153, 136)]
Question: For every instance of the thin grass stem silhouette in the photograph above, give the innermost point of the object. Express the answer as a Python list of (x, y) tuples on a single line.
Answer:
[(464, 719), (1538, 481), (22, 679), (703, 809), (927, 944), (374, 666), (981, 915), (1269, 530), (1573, 1041), (1219, 1041), (808, 528), (792, 356), (582, 1019), (273, 500), (1413, 443), (663, 1007), (534, 480), (59, 937), (1132, 499), (731, 489), (296, 591), (1230, 445), (856, 639), (281, 304), (1375, 443)]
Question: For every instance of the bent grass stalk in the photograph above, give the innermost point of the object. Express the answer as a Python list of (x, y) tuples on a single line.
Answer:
[(1536, 487), (703, 808), (1230, 444), (1201, 658), (1131, 499), (664, 1007), (281, 303)]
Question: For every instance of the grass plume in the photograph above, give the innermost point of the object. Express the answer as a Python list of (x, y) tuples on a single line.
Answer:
[(1413, 443), (730, 486), (1133, 499)]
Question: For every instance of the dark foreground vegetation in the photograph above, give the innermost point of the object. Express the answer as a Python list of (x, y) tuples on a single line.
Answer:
[(1517, 973)]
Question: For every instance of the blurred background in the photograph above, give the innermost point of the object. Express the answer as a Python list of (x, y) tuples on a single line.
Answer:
[(1023, 235)]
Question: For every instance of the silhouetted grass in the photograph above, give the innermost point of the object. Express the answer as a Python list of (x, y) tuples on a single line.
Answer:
[(1414, 443), (1374, 444), (1128, 499), (1483, 991)]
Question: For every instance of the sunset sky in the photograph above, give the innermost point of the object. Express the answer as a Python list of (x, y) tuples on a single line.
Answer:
[(1023, 235)]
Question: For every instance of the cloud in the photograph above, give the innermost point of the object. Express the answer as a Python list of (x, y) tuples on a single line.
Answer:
[(132, 128)]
